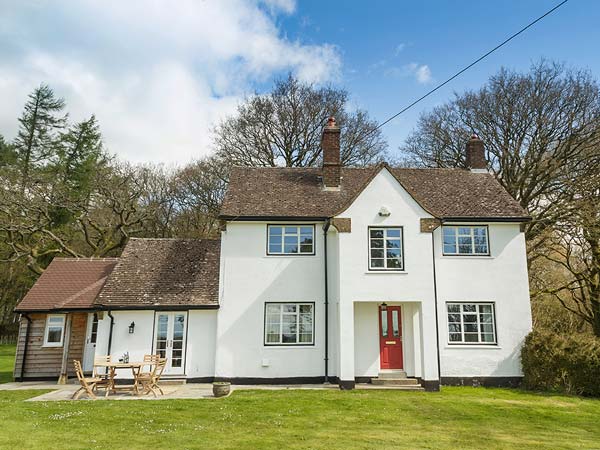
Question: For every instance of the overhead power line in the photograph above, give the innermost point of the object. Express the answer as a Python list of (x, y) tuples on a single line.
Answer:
[(439, 86)]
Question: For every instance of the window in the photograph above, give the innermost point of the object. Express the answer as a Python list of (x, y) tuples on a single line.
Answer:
[(291, 240), (385, 249), (465, 240), (55, 329), (289, 323), (471, 323)]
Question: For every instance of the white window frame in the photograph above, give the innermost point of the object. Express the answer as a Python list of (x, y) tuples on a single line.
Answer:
[(472, 236), (385, 267), (280, 343), (62, 331), (283, 235), (479, 323)]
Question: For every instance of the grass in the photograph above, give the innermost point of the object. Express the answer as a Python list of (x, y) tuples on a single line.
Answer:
[(7, 362), (466, 418)]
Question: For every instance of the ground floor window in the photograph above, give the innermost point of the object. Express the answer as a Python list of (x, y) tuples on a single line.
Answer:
[(471, 323), (289, 323), (55, 330)]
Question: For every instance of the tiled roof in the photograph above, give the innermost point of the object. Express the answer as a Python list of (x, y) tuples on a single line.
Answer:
[(68, 283), (164, 273), (298, 193)]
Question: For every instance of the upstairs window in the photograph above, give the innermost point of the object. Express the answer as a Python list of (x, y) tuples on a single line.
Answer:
[(465, 240), (471, 323), (385, 249), (55, 330), (291, 240)]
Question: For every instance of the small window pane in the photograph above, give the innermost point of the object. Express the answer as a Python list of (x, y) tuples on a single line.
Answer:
[(393, 232), (54, 335), (453, 308), (377, 234), (469, 308), (450, 233), (291, 230), (376, 253), (275, 231), (449, 248), (455, 337), (454, 327), (306, 230), (487, 337), (393, 263), (474, 337), (393, 243), (376, 243), (377, 263), (454, 318), (384, 323), (395, 323)]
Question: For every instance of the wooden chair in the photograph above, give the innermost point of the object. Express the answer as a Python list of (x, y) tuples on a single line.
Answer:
[(88, 385), (149, 382), (152, 360)]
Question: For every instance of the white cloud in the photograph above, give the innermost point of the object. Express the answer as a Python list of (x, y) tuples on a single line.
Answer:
[(159, 74), (399, 48), (420, 72)]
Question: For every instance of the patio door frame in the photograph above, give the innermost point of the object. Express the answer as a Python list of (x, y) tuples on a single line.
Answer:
[(169, 370), (89, 349)]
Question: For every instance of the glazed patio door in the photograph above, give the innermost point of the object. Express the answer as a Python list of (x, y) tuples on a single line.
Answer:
[(170, 340)]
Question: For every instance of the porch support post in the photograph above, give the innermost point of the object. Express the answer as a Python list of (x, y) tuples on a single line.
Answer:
[(430, 375), (64, 376), (346, 348)]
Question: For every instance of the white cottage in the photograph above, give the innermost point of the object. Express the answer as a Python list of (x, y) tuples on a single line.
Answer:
[(346, 275)]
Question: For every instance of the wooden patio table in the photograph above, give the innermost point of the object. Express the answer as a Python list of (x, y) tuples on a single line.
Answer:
[(112, 367)]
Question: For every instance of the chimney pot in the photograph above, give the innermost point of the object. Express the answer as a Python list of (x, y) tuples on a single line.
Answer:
[(475, 154), (330, 143)]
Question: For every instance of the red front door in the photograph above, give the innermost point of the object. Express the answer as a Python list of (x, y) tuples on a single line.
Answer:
[(390, 337)]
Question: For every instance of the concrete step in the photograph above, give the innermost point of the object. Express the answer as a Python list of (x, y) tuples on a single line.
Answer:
[(417, 387), (394, 374), (395, 382), (172, 380)]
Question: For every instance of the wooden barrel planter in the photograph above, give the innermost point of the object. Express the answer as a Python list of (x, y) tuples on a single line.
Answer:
[(221, 388)]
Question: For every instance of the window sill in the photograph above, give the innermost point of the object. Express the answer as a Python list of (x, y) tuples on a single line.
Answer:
[(288, 347), (52, 345), (386, 272), (475, 346), (467, 257)]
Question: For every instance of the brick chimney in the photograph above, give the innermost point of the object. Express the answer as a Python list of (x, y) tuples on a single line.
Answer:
[(330, 143), (476, 155)]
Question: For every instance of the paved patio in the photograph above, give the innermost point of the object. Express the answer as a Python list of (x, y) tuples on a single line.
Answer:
[(172, 391)]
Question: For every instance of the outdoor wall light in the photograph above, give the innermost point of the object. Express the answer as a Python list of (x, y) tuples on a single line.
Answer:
[(131, 327), (384, 306), (384, 212)]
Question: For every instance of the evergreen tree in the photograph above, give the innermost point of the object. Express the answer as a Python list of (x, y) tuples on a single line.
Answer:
[(37, 135)]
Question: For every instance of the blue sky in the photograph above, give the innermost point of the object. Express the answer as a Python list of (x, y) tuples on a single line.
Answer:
[(159, 74)]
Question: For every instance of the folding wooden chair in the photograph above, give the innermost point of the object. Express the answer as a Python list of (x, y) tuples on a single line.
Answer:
[(87, 384), (152, 360), (150, 382), (103, 373)]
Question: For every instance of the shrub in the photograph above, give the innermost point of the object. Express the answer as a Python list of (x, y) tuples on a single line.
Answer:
[(562, 363)]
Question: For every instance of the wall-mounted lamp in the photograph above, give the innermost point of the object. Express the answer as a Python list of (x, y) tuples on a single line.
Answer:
[(384, 306), (131, 327), (384, 212)]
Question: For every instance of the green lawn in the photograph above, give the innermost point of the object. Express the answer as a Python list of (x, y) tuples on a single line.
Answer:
[(465, 418), (7, 361)]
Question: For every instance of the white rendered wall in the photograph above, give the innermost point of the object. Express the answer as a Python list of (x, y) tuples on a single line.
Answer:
[(251, 278), (357, 284), (200, 356), (500, 278), (137, 344)]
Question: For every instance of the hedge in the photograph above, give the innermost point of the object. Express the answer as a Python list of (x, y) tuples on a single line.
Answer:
[(568, 364)]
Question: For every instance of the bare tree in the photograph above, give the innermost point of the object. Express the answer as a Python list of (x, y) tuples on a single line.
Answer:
[(540, 129), (574, 248), (283, 128)]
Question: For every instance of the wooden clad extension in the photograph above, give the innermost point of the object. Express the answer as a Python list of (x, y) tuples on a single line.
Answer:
[(45, 362)]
